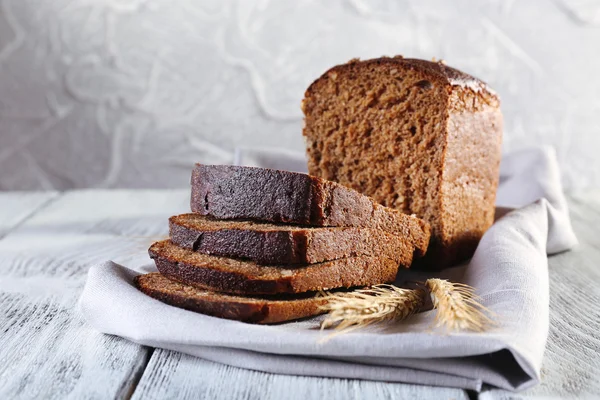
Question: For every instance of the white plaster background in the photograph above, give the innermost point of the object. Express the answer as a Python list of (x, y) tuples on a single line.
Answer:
[(115, 93)]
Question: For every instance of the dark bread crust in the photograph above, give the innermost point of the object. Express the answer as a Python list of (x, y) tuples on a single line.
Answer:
[(240, 308), (434, 69), (460, 142), (228, 275), (235, 192), (269, 244)]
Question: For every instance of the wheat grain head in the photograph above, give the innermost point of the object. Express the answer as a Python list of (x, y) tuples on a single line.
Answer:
[(363, 307), (458, 308)]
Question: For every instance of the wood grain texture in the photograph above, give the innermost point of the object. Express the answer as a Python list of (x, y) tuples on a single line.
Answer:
[(572, 358), (16, 207), (174, 375), (47, 350)]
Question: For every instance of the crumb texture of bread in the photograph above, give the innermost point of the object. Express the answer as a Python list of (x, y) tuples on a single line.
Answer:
[(414, 135), (270, 243), (236, 192), (240, 308), (229, 275)]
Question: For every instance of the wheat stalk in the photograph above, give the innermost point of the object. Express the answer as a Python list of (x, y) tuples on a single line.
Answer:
[(348, 311), (458, 308)]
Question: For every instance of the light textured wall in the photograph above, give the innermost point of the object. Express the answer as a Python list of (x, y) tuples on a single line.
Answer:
[(115, 93)]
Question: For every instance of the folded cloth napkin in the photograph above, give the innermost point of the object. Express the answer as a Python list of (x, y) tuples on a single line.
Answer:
[(509, 271)]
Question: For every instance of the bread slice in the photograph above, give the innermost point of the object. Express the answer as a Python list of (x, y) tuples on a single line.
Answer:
[(229, 192), (415, 135), (240, 308), (267, 244), (222, 274)]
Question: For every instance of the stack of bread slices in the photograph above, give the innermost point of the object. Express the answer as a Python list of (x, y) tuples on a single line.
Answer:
[(261, 244)]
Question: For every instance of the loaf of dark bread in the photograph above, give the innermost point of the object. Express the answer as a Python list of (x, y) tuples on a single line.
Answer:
[(268, 243), (223, 274), (230, 192), (414, 135), (240, 308)]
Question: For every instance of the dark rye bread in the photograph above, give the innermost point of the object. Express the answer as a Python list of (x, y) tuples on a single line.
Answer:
[(414, 135), (240, 308), (234, 192), (267, 243), (222, 274)]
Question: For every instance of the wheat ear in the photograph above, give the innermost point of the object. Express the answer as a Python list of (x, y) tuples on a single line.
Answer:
[(458, 308), (348, 311)]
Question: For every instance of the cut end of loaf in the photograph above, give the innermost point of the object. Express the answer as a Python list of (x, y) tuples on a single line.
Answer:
[(377, 128), (415, 135)]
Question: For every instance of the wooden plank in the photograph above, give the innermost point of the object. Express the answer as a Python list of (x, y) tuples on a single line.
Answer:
[(16, 207), (572, 356), (172, 375), (47, 350), (112, 212)]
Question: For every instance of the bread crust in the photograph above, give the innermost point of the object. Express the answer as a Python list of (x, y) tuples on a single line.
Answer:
[(240, 308), (272, 244), (227, 275), (435, 69), (234, 192)]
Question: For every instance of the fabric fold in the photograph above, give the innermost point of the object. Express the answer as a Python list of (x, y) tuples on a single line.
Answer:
[(509, 271)]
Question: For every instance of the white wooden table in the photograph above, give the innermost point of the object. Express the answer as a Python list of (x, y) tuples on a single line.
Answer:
[(49, 240)]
